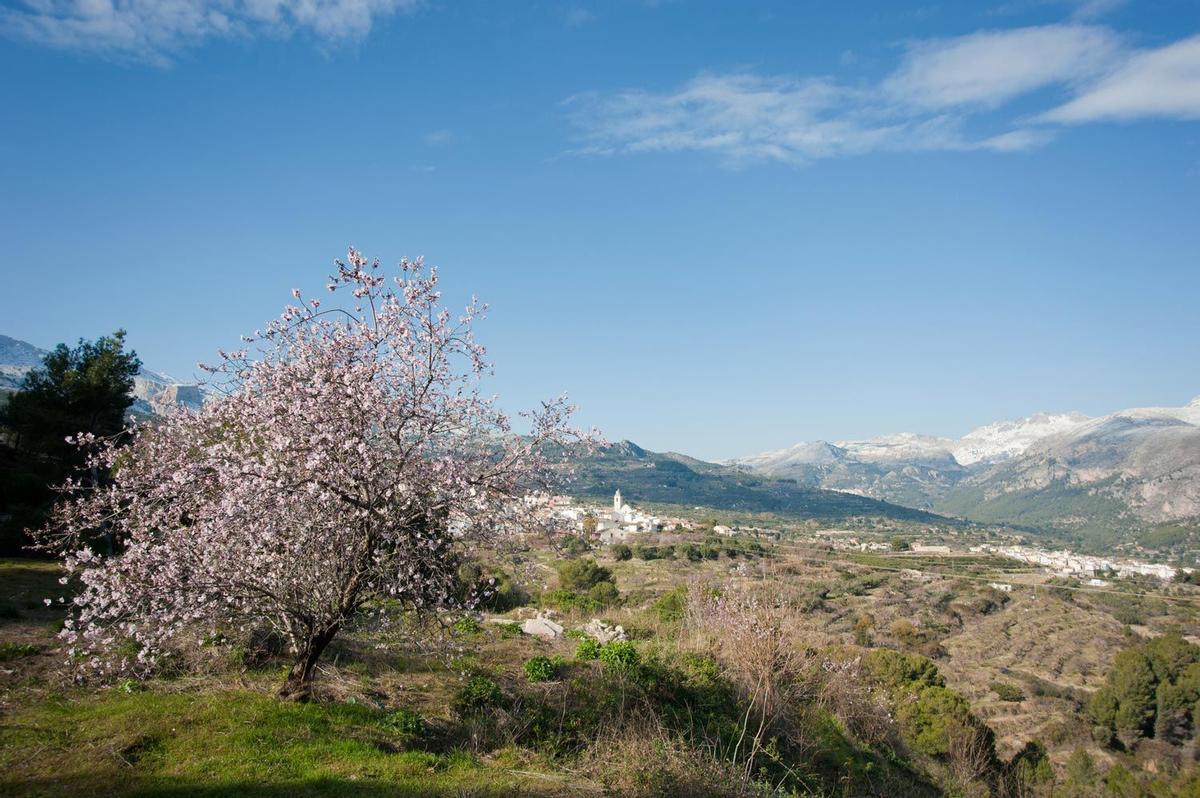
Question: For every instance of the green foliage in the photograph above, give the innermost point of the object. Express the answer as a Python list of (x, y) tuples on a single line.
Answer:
[(588, 649), (477, 695), (897, 671), (605, 594), (567, 600), (620, 552), (510, 629), (647, 553), (1150, 690), (620, 655), (405, 723), (1081, 778), (10, 650), (930, 714), (1120, 783), (85, 389), (540, 669), (582, 575), (670, 606), (1031, 769), (467, 625), (1007, 692)]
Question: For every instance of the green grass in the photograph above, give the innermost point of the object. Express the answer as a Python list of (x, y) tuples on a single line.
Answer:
[(228, 743)]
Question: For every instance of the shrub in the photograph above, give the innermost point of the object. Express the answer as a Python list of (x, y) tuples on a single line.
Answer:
[(604, 594), (405, 723), (620, 655), (588, 649), (10, 650), (582, 575), (477, 694), (540, 669), (467, 625), (1007, 692), (646, 553), (570, 600), (620, 552), (669, 607), (903, 629), (511, 629)]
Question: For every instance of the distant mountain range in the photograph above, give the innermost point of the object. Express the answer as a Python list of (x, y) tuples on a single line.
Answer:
[(1103, 478), (154, 393), (1107, 479), (671, 478)]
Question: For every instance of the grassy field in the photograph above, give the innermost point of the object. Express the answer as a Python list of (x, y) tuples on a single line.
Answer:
[(389, 717)]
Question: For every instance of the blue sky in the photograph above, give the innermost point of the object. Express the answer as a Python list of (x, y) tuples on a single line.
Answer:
[(720, 227)]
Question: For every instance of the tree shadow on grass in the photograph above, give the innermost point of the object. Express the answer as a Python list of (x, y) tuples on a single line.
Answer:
[(311, 788)]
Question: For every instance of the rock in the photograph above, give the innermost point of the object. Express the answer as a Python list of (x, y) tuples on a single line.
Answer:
[(542, 627), (603, 632)]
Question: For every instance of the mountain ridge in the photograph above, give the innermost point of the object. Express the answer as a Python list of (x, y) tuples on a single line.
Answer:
[(154, 393)]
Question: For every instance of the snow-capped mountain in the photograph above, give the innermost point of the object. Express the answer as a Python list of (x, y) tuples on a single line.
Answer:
[(16, 359), (1004, 439), (155, 393), (1133, 468)]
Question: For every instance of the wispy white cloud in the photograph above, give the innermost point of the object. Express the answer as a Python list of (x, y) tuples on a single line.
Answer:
[(940, 92), (153, 30), (745, 118), (1080, 10), (992, 67), (1163, 82)]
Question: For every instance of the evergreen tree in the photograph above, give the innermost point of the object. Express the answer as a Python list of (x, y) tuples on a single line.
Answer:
[(81, 390), (85, 389)]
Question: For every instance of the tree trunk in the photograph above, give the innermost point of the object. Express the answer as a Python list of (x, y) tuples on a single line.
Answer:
[(298, 686)]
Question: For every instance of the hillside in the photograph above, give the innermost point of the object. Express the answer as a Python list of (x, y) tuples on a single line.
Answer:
[(671, 478), (1116, 478), (1128, 471)]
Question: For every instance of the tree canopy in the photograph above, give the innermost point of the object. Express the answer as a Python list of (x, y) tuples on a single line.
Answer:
[(342, 474)]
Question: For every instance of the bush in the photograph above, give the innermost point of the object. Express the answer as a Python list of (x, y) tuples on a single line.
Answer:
[(570, 600), (10, 650), (405, 723), (669, 607), (467, 625), (1007, 692), (582, 575), (604, 594), (540, 669), (511, 629), (647, 553), (588, 649), (620, 552), (620, 655), (479, 693)]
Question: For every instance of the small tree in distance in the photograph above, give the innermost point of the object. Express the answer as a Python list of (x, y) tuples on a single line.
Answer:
[(343, 470)]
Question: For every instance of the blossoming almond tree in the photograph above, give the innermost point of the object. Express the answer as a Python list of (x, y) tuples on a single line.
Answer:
[(345, 466)]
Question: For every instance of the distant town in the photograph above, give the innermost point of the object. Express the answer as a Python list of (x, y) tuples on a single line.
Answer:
[(622, 522)]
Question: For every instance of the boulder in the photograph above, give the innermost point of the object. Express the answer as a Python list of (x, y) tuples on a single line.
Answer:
[(603, 632), (542, 627)]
